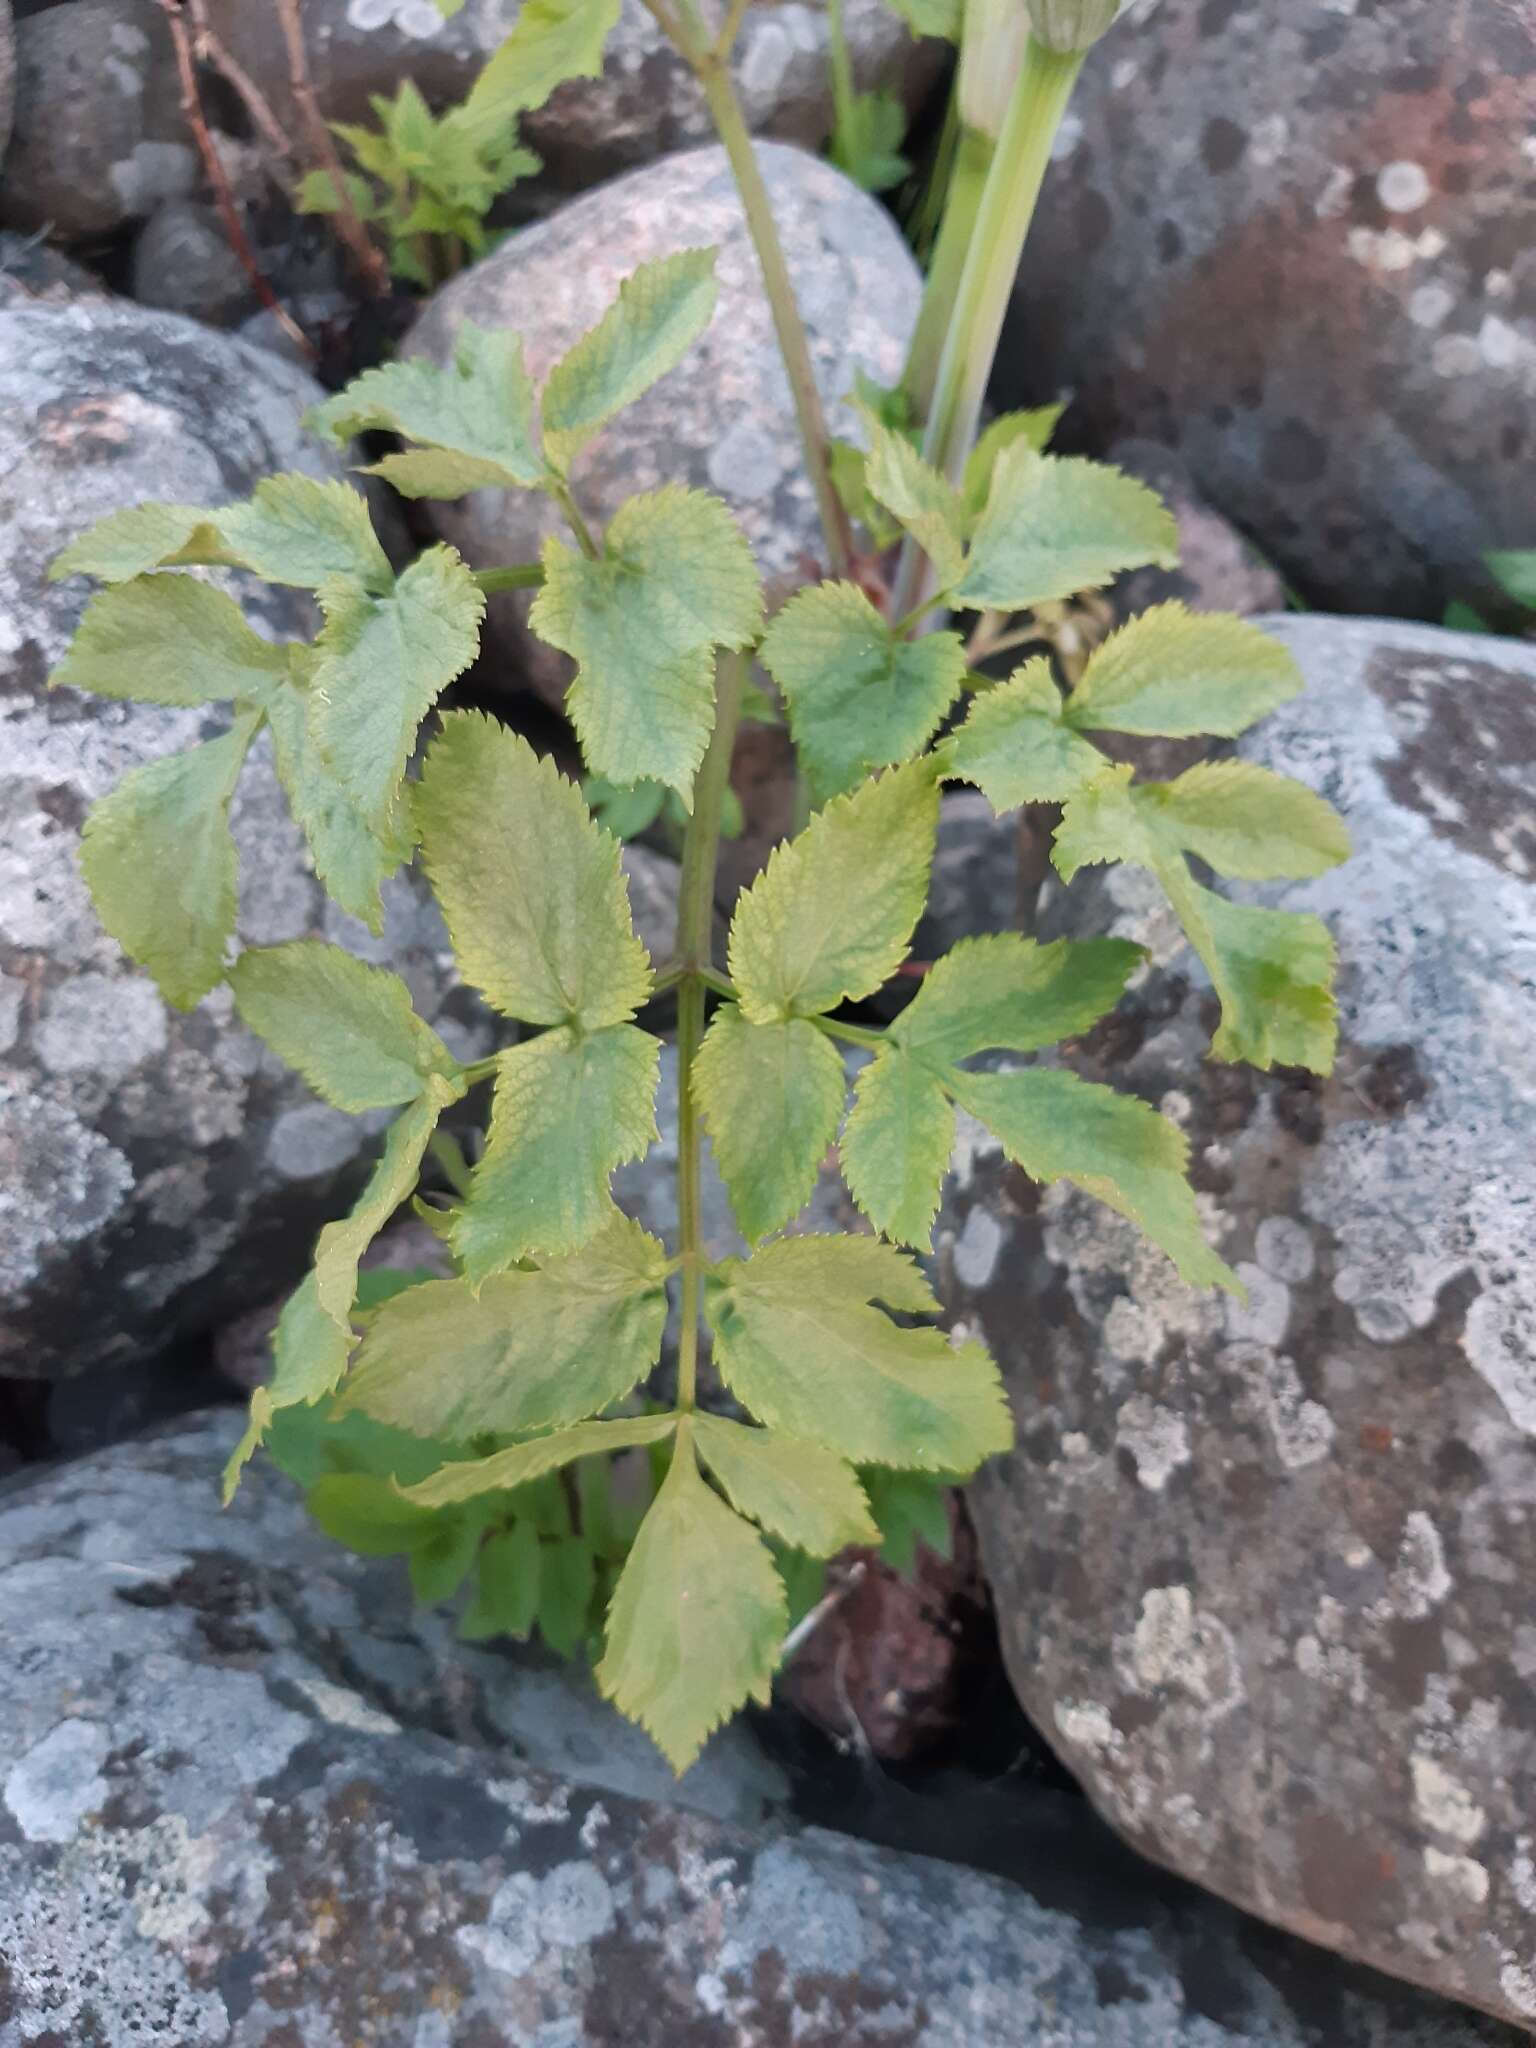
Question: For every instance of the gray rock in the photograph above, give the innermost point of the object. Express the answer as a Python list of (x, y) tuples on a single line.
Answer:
[(31, 269), (1297, 246), (1218, 570), (723, 420), (99, 138), (1262, 1570), (182, 263), (7, 73), (158, 1172), (248, 1799)]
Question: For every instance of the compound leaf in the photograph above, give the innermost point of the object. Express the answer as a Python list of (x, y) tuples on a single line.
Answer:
[(1016, 747), (771, 1096), (295, 529), (896, 1149), (1177, 672), (1003, 992), (803, 1494), (1055, 525), (518, 1464), (169, 640)]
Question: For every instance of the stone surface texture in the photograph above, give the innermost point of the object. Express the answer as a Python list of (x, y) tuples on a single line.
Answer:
[(1262, 1570), (250, 1801), (158, 1171), (99, 139), (723, 420), (32, 270), (1298, 245), (7, 73), (183, 263)]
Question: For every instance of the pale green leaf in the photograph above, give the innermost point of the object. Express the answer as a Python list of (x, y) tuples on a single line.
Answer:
[(896, 1149), (553, 40), (798, 1343), (343, 1242), (366, 1514), (533, 890), (662, 309), (1177, 672), (1248, 822), (350, 1029), (1055, 525), (1034, 428), (169, 640), (519, 1463), (1106, 820), (139, 538), (1003, 992), (771, 1096), (294, 529), (157, 856), (859, 696), (1273, 971), (801, 1493), (910, 1507), (310, 1354), (1015, 747), (697, 1618), (531, 1350), (923, 501), (382, 662), (1114, 1147), (675, 580), (832, 914), (568, 1109), (506, 1586)]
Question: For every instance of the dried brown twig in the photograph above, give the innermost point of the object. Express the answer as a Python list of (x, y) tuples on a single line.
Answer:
[(365, 252), (209, 49)]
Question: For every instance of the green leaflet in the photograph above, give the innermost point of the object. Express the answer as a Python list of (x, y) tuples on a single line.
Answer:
[(368, 1515), (157, 856), (343, 1243), (140, 538), (832, 914), (662, 309), (169, 640), (532, 1350), (1514, 570), (533, 891), (552, 41), (506, 1587), (771, 1096), (675, 581), (1016, 747), (293, 529), (798, 1343), (697, 1618), (1057, 1127), (1177, 672), (1248, 822), (567, 1582), (1273, 971), (799, 1492), (310, 1354), (443, 1559), (859, 696), (1034, 428), (926, 504), (910, 1507), (382, 662), (568, 1109), (1055, 525), (520, 1463), (897, 1147), (474, 421), (350, 1029)]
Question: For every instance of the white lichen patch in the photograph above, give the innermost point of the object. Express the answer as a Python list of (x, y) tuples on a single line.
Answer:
[(1155, 1437), (1174, 1645), (50, 1790), (1459, 1874), (346, 1709), (1086, 1724), (1443, 1802)]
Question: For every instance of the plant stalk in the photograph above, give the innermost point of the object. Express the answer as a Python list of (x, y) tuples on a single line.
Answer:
[(962, 203)]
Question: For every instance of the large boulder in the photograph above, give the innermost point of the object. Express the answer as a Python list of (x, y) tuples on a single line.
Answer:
[(158, 1171), (7, 73), (1296, 244), (1262, 1570), (248, 1799)]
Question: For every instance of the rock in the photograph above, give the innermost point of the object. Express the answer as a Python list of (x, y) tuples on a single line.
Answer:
[(7, 73), (1261, 1570), (32, 269), (1296, 246), (182, 263), (978, 883), (158, 1172), (723, 420), (99, 137), (249, 1799), (1218, 570), (644, 104)]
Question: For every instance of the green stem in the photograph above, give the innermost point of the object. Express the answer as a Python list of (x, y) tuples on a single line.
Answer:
[(841, 67), (522, 576), (565, 498), (962, 202), (855, 1034)]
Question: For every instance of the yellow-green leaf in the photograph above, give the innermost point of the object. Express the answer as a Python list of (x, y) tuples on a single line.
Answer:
[(1034, 428), (897, 1147), (1248, 822), (1003, 992), (139, 538), (800, 1492), (295, 529), (771, 1096), (169, 640), (1055, 525), (1177, 672), (519, 1463), (553, 40), (925, 503), (1015, 746)]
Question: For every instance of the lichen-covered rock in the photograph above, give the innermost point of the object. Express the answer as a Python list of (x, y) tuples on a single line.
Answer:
[(1262, 1569), (723, 421), (645, 103), (1296, 244), (158, 1172), (99, 138), (247, 1800)]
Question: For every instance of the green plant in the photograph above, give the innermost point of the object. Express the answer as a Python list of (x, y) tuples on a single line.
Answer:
[(459, 1399)]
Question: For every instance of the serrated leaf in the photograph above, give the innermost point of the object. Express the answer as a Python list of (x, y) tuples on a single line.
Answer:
[(660, 312), (896, 1149), (923, 501), (1177, 672), (295, 529), (506, 1586), (910, 1507), (859, 696), (553, 40), (1055, 525), (1058, 1127), (140, 538), (1003, 992), (350, 1029), (533, 890), (475, 420), (1015, 746), (533, 1349), (567, 1581), (697, 1618), (1514, 570), (381, 663), (798, 1343), (771, 1096), (157, 856), (675, 581), (520, 1464), (368, 1515), (310, 1353), (443, 1558), (1248, 822), (169, 640), (1034, 428), (832, 914), (343, 1242), (801, 1493), (568, 1109)]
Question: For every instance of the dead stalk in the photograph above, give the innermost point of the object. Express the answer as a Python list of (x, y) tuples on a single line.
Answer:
[(365, 253)]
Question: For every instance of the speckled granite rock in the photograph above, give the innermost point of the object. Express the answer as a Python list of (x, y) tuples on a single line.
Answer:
[(99, 138), (644, 104), (183, 263), (250, 1802), (31, 269), (1263, 1571), (158, 1172), (723, 420), (1298, 244)]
